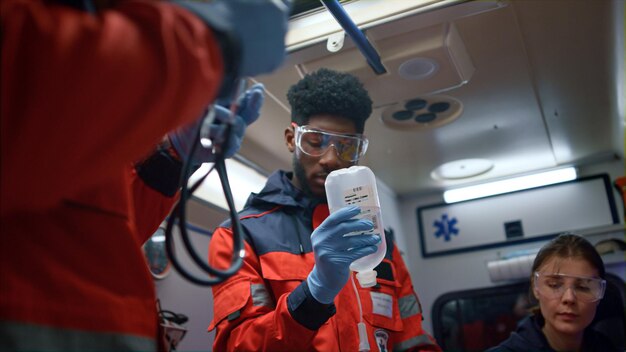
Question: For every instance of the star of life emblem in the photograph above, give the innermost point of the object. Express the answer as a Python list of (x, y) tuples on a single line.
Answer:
[(381, 337)]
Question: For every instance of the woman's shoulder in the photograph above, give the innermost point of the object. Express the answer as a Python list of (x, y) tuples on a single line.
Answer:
[(527, 337), (596, 341), (500, 348)]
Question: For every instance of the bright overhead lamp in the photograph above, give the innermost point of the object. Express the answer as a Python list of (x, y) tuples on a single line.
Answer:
[(242, 178), (462, 168), (509, 185)]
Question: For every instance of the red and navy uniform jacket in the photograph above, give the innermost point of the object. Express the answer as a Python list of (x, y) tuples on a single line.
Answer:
[(83, 97), (267, 305)]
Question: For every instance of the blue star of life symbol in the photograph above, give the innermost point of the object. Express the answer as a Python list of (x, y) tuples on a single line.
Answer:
[(445, 227)]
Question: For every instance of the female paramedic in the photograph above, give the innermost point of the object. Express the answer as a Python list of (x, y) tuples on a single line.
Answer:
[(568, 282), (86, 92), (293, 291)]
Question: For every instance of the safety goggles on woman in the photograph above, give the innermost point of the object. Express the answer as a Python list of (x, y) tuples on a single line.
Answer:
[(553, 286), (349, 147)]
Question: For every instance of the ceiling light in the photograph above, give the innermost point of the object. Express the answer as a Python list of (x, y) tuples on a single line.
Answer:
[(418, 68), (509, 185), (462, 168), (242, 178)]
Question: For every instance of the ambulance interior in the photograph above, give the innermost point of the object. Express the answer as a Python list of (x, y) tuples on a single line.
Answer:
[(470, 92)]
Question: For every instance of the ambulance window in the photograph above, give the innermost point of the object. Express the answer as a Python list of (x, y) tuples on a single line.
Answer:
[(475, 320)]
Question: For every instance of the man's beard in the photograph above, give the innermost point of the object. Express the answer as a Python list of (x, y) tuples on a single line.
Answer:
[(298, 171)]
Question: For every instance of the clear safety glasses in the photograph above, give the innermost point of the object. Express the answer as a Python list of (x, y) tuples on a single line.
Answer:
[(553, 286), (349, 147)]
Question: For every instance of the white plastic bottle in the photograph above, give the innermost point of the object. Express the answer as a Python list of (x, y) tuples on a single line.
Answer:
[(356, 185)]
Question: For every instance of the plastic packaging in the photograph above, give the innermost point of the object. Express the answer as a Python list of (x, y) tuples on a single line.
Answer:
[(356, 185)]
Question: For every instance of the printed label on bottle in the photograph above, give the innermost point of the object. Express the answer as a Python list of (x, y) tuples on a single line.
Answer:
[(362, 196), (357, 195), (371, 213)]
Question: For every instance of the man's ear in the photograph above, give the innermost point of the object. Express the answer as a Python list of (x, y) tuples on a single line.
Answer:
[(290, 139)]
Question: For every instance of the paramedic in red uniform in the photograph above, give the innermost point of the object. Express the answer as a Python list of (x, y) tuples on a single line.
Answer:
[(293, 292), (85, 94)]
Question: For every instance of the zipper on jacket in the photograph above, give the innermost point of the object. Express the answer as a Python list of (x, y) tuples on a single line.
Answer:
[(298, 234)]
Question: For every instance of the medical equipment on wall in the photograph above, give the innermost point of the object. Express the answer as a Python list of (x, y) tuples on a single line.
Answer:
[(179, 216), (356, 186), (514, 268), (172, 327)]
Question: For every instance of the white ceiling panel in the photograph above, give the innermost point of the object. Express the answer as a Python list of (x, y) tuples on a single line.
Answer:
[(537, 88)]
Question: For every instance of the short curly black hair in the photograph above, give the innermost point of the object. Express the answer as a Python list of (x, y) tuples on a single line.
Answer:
[(329, 92)]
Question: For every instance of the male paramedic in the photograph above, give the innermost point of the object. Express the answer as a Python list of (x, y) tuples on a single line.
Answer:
[(293, 291), (87, 92)]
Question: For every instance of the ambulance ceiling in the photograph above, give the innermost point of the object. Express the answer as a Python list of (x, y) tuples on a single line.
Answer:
[(521, 86)]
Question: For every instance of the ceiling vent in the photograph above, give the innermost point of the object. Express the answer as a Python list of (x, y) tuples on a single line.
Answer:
[(421, 113)]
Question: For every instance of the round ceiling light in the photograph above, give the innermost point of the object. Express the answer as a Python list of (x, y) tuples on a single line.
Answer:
[(418, 68), (462, 168)]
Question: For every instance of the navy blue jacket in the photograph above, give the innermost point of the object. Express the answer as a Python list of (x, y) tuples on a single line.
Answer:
[(529, 337)]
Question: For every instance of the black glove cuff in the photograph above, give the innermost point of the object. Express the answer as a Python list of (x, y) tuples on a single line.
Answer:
[(161, 172), (306, 310)]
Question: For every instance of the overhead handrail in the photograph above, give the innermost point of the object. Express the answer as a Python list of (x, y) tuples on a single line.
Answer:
[(360, 40)]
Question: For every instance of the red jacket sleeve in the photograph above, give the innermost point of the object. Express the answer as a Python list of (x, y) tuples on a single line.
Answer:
[(150, 207), (245, 313), (411, 310), (85, 95)]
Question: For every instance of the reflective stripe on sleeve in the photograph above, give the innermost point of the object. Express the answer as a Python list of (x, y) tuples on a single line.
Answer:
[(260, 296), (420, 340), (408, 306), (29, 337)]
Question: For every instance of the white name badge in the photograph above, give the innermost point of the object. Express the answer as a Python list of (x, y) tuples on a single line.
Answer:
[(382, 304)]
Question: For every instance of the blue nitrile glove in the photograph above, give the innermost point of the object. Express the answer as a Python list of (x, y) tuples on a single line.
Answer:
[(249, 109), (258, 27), (334, 252)]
